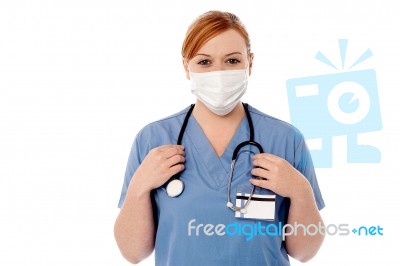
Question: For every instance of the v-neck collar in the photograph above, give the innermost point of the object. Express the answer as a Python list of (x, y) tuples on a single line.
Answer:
[(218, 166)]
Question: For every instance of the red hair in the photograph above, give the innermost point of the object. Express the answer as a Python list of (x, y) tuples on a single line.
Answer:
[(209, 25)]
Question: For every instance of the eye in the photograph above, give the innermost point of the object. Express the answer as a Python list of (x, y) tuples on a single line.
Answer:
[(204, 62), (233, 61)]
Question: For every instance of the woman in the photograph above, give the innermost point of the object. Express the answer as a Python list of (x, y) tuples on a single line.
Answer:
[(201, 225)]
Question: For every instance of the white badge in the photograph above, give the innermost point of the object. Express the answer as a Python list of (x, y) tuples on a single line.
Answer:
[(261, 207)]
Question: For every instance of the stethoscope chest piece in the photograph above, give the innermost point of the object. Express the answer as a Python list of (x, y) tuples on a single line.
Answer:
[(175, 188)]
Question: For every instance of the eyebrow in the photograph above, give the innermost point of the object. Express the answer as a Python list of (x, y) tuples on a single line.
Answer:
[(225, 55)]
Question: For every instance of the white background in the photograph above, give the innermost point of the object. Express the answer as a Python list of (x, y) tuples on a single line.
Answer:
[(79, 79)]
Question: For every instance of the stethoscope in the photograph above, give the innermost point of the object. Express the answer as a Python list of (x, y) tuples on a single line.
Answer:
[(175, 185)]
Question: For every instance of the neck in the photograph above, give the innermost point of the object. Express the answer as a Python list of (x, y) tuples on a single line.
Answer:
[(204, 115)]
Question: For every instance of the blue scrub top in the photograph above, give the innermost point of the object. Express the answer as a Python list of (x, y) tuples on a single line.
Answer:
[(205, 195)]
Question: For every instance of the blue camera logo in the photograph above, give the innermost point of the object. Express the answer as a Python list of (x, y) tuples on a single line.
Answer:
[(344, 103)]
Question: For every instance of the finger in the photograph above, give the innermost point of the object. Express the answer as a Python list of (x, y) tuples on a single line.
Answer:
[(169, 146), (176, 159), (260, 172), (175, 169), (267, 156), (260, 183), (263, 163), (172, 151)]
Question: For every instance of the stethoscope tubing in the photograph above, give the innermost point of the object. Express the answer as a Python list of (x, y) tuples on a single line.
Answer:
[(176, 189)]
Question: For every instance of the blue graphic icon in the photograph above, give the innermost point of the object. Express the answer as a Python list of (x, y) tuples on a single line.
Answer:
[(344, 103)]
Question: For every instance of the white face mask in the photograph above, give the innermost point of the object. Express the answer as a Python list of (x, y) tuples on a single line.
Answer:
[(220, 91)]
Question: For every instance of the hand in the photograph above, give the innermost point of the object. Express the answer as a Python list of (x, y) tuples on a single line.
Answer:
[(279, 176), (159, 166)]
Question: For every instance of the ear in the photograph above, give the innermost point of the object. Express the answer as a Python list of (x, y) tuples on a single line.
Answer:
[(251, 57), (186, 67)]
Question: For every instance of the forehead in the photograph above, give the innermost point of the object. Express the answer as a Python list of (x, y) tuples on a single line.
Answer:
[(226, 42)]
